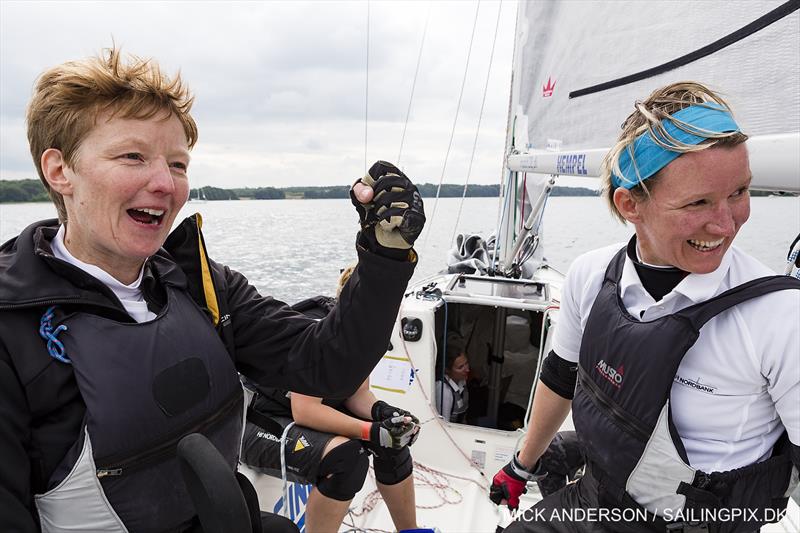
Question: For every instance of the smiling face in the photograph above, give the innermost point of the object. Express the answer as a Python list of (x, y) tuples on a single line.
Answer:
[(695, 209), (460, 369), (124, 191)]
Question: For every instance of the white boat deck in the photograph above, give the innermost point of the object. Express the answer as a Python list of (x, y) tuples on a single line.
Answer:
[(454, 463)]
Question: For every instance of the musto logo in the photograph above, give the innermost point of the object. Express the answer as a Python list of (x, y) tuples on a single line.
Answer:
[(611, 374)]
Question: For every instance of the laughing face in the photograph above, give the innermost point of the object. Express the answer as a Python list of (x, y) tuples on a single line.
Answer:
[(695, 210), (122, 194)]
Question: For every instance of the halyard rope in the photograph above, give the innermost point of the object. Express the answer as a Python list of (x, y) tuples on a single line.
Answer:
[(453, 130), (478, 128)]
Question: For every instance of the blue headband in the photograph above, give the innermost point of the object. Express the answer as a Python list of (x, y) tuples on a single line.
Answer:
[(703, 119)]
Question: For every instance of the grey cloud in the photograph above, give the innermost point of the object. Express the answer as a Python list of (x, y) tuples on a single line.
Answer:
[(282, 83)]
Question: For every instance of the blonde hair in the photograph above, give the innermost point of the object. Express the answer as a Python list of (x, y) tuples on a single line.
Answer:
[(343, 277), (647, 118), (68, 98)]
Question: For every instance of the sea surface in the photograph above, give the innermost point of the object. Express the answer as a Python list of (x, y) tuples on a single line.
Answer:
[(293, 249)]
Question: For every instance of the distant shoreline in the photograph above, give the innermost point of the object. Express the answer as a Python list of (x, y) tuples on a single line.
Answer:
[(21, 191)]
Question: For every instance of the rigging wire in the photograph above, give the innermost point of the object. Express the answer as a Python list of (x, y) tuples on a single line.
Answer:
[(453, 130), (414, 83), (478, 128), (366, 97)]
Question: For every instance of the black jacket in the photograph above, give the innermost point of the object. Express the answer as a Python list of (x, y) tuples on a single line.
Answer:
[(41, 409)]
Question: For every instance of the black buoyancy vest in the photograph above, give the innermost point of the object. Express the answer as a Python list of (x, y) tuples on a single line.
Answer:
[(621, 409), (460, 402), (145, 386)]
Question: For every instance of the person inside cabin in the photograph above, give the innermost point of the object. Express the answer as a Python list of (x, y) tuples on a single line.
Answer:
[(329, 443), (682, 346), (118, 337), (452, 396)]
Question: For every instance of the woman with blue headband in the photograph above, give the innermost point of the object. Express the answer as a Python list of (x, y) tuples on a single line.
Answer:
[(677, 352)]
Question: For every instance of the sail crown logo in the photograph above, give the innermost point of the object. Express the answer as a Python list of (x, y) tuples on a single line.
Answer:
[(548, 88), (611, 374)]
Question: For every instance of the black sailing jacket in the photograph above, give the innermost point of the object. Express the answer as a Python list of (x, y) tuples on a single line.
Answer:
[(41, 409)]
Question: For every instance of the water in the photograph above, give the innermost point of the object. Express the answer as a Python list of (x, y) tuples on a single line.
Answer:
[(293, 249)]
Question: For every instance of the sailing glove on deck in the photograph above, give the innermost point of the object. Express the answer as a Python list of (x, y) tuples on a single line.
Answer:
[(393, 432), (509, 483), (382, 410), (394, 218)]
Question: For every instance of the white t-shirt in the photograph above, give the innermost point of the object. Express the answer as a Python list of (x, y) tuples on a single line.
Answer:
[(739, 385), (130, 296)]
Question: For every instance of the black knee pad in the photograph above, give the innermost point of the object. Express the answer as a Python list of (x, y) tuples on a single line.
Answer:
[(342, 472), (392, 466)]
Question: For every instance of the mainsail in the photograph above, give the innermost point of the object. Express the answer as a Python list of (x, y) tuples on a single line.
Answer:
[(580, 65)]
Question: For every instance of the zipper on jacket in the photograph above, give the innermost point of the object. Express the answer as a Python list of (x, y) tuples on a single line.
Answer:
[(36, 302), (618, 414), (47, 302), (153, 455)]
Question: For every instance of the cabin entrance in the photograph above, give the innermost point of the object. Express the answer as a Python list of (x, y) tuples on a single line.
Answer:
[(498, 327)]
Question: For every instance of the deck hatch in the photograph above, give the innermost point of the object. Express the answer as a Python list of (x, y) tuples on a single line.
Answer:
[(509, 293)]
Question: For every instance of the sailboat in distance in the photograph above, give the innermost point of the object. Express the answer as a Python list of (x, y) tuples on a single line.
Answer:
[(200, 198), (578, 67)]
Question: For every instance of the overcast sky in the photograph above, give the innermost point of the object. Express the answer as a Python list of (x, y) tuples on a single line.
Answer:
[(280, 86)]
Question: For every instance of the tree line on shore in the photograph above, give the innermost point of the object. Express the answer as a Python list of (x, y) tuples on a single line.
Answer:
[(33, 191)]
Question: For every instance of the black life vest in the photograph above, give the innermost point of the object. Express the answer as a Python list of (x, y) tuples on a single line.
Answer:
[(622, 413), (460, 400), (145, 386)]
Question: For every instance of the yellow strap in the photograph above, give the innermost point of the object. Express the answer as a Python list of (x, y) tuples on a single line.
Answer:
[(399, 391), (208, 283)]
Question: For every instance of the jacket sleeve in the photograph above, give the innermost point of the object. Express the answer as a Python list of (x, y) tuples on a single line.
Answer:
[(15, 488), (276, 346)]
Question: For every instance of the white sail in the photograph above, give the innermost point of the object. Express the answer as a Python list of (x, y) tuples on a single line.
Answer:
[(581, 65)]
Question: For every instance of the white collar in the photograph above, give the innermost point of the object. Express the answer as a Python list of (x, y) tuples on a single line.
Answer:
[(61, 252), (458, 387), (695, 287)]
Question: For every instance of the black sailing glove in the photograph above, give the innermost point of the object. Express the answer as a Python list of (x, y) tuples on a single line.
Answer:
[(394, 218), (394, 432), (382, 410)]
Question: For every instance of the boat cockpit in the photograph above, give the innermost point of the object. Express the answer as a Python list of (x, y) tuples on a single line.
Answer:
[(502, 326)]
